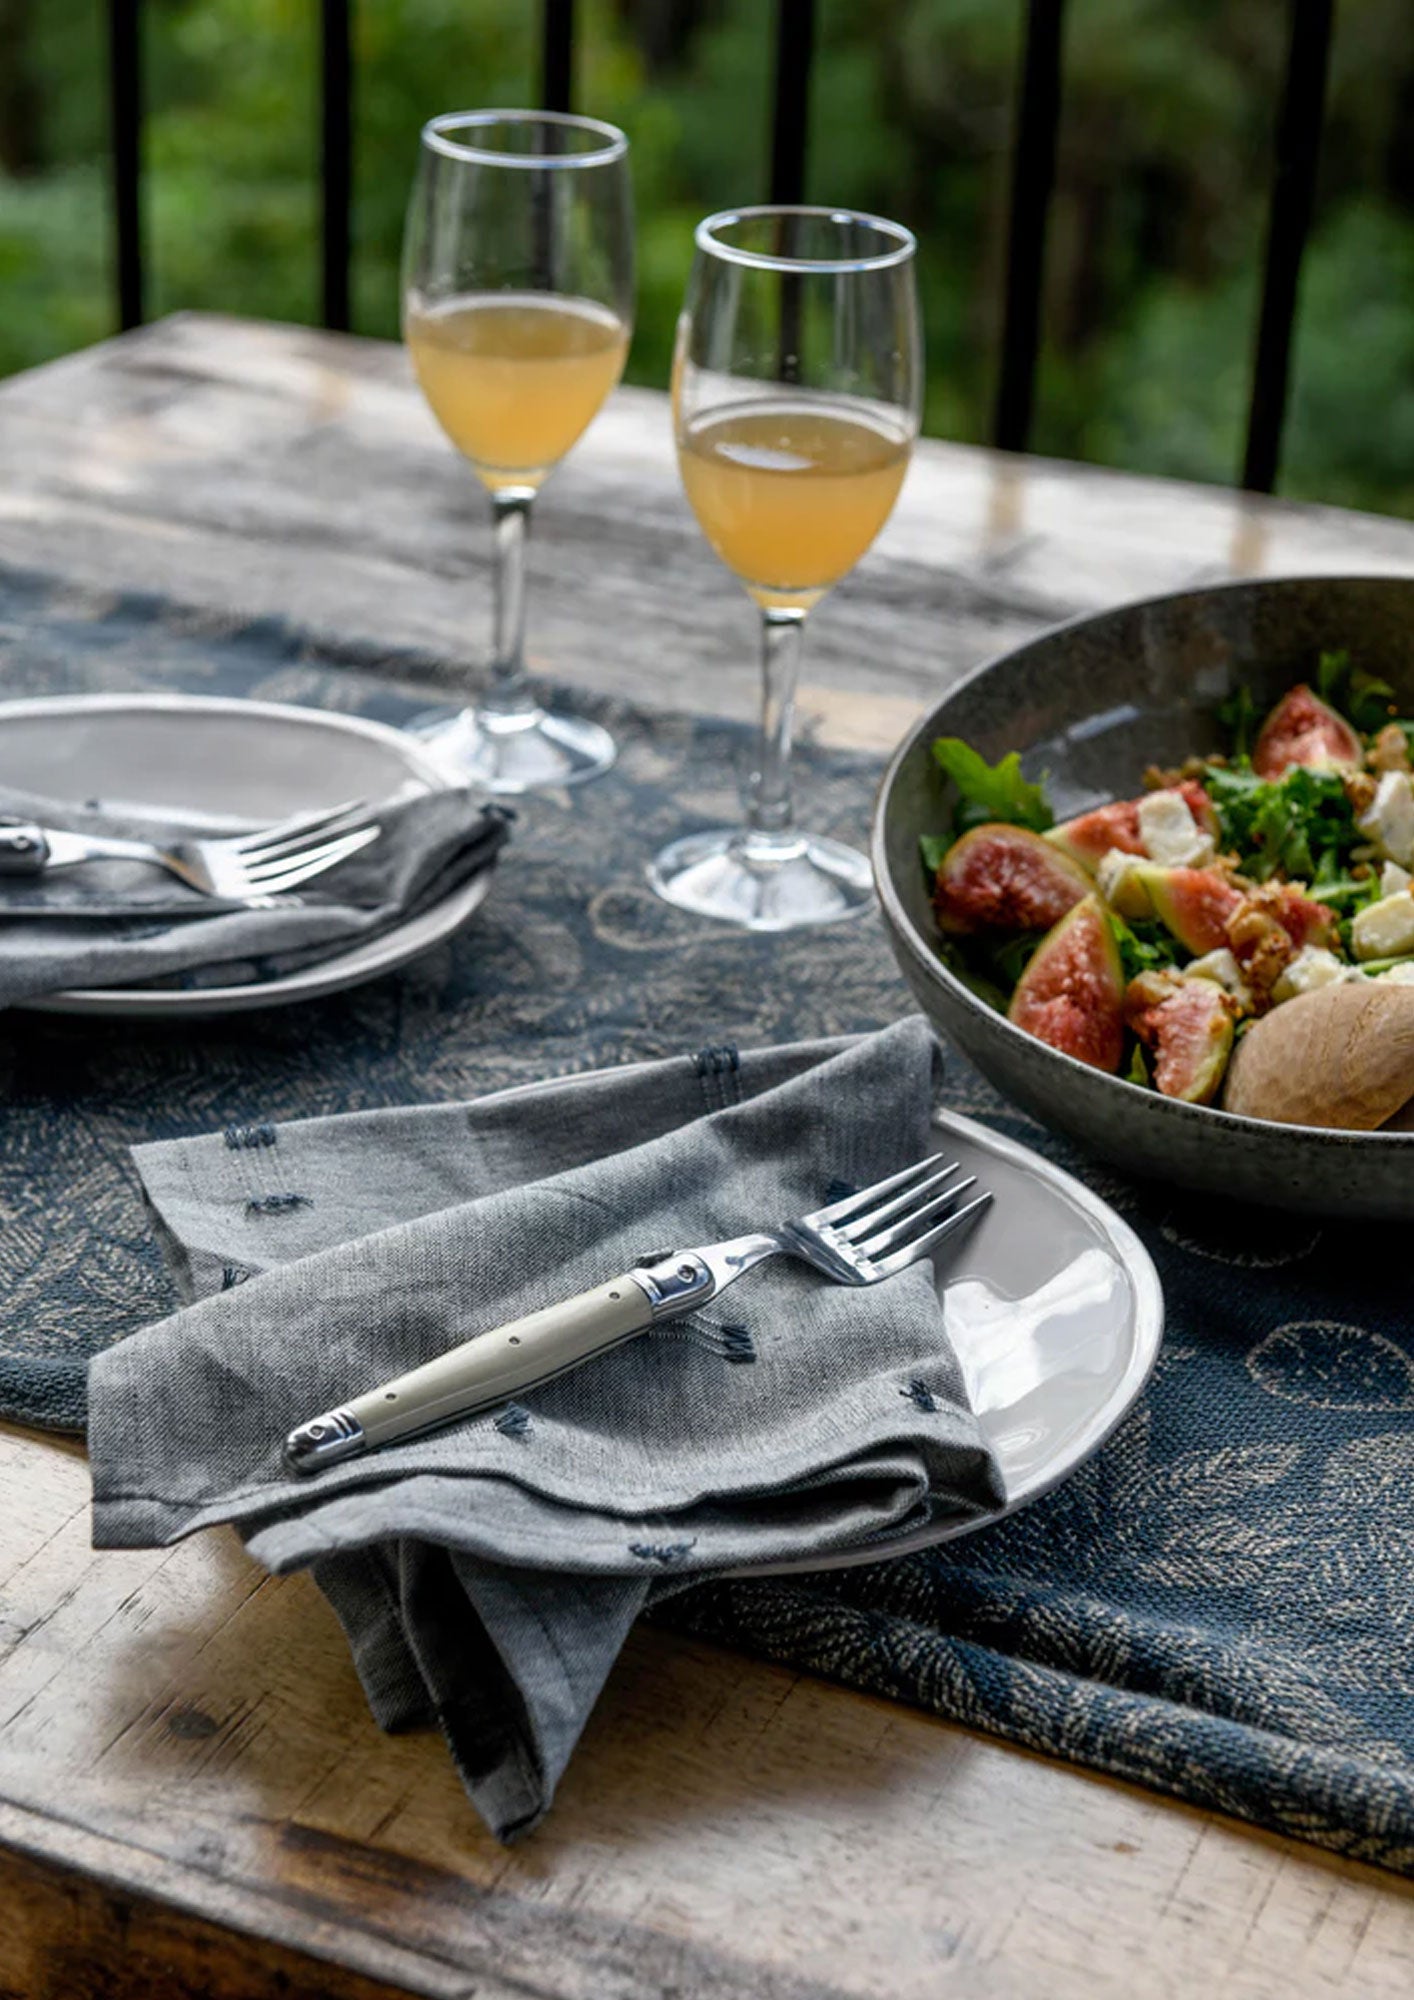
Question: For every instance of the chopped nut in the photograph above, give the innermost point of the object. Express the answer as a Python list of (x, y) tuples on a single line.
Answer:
[(1360, 789), (1156, 779), (1390, 750), (1261, 947)]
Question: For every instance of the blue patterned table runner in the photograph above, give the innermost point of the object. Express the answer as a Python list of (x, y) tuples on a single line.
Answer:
[(1219, 1606)]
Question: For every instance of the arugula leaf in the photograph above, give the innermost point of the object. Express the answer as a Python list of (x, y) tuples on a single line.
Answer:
[(1340, 891), (934, 849), (1238, 716), (1296, 825), (1010, 959), (1367, 701), (992, 791), (987, 990), (1138, 1071), (1144, 945)]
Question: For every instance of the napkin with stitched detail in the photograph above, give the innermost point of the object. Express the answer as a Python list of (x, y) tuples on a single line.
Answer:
[(123, 923), (487, 1573)]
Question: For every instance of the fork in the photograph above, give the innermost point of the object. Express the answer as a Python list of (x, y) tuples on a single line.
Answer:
[(860, 1240), (247, 867)]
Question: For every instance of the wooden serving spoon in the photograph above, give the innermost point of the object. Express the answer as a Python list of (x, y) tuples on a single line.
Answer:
[(1342, 1056)]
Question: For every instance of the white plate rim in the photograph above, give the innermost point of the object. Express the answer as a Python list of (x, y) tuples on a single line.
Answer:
[(1146, 1324), (364, 961)]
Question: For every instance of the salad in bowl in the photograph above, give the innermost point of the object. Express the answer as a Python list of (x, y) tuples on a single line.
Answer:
[(1238, 932)]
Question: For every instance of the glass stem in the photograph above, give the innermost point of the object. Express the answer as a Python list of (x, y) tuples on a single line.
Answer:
[(770, 834), (509, 693)]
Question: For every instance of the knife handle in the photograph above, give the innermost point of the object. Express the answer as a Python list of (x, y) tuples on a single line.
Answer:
[(479, 1373), (23, 848)]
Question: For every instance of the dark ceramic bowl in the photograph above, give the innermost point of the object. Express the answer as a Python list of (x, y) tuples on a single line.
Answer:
[(1092, 704)]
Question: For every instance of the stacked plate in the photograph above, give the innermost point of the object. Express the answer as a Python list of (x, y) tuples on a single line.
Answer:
[(224, 766)]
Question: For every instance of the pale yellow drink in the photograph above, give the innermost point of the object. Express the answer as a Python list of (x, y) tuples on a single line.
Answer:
[(790, 494), (513, 378)]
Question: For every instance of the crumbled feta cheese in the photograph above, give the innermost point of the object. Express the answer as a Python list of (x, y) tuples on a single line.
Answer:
[(1119, 882), (1223, 969), (1393, 878), (1170, 834), (1386, 928), (1400, 975), (1389, 821), (1313, 966)]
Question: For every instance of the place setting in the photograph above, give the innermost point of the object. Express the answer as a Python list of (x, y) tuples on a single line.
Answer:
[(969, 1351)]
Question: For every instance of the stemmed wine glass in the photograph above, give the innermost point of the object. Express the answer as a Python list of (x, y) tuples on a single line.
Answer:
[(517, 312), (797, 382)]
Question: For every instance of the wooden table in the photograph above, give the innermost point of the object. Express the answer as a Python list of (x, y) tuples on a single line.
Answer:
[(192, 1796)]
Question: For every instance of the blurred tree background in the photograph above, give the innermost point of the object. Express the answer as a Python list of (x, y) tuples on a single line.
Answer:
[(1156, 240)]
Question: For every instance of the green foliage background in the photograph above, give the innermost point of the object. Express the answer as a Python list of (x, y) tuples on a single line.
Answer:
[(1157, 234)]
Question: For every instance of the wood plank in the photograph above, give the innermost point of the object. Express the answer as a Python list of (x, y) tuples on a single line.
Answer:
[(192, 1795)]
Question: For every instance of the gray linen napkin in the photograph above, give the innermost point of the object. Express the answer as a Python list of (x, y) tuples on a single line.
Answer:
[(124, 924), (486, 1574)]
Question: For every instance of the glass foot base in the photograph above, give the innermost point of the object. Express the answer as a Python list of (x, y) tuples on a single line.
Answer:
[(763, 883), (533, 752)]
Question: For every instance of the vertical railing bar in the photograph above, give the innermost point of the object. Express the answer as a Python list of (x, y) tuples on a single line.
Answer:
[(336, 158), (1298, 146), (1033, 176), (557, 57), (125, 111), (790, 116)]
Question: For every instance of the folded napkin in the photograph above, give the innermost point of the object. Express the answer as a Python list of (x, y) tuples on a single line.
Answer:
[(118, 923), (487, 1573)]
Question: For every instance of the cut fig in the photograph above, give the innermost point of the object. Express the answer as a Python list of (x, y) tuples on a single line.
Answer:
[(1071, 995), (1302, 729), (1089, 838), (1188, 1027), (1005, 878), (1193, 903)]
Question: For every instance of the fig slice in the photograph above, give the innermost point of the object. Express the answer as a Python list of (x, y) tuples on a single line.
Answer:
[(1005, 878), (1089, 838), (1302, 729), (1193, 903), (1188, 1026), (1341, 1056), (1071, 995)]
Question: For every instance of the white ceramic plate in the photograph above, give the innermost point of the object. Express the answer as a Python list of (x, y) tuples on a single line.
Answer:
[(225, 766), (1054, 1310)]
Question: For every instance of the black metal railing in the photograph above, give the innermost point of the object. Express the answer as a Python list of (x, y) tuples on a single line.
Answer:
[(1033, 171)]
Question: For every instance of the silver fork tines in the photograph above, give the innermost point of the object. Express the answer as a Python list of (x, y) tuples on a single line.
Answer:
[(870, 1235), (247, 867)]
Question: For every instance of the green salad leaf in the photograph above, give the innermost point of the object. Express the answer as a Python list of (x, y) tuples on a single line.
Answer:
[(1138, 1071), (1144, 945), (1238, 716), (1363, 698), (992, 791), (1010, 957), (972, 976), (1341, 891), (1298, 824), (934, 848)]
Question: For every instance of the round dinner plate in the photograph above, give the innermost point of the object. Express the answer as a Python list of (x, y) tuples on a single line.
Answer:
[(224, 766), (1055, 1313)]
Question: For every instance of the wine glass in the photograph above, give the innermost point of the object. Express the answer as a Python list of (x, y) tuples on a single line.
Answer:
[(517, 312), (797, 382)]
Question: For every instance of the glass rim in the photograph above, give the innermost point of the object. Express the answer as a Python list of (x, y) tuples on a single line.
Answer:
[(905, 243), (435, 138)]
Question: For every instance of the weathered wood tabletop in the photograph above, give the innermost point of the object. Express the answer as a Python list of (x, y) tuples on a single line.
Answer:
[(193, 1798)]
